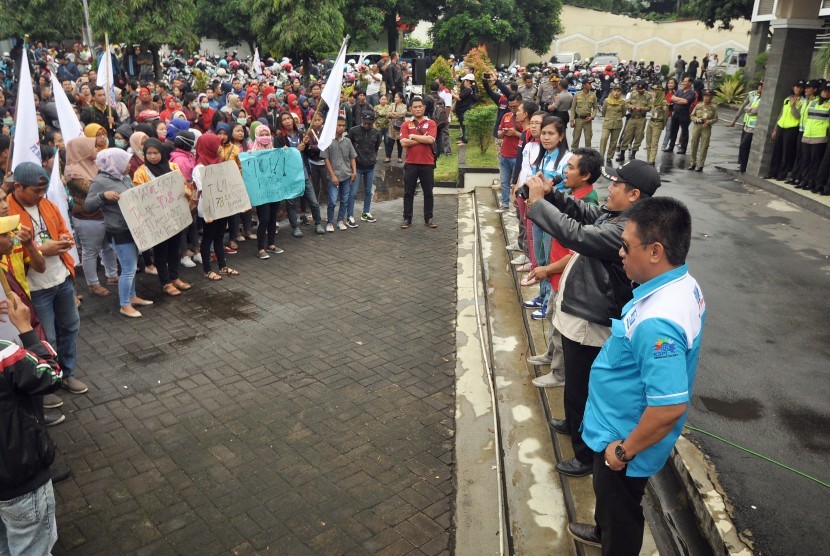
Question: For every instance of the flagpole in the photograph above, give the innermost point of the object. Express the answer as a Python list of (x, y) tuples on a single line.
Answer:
[(109, 71)]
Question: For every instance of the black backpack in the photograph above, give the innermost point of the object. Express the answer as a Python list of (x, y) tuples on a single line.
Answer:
[(439, 112)]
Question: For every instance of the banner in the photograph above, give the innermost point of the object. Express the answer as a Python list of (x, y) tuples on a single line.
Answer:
[(157, 210), (57, 194), (26, 138), (70, 125), (331, 96), (272, 175), (223, 192)]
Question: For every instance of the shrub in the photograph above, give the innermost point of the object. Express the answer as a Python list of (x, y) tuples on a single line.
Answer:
[(479, 123), (664, 70), (730, 91), (441, 67), (478, 63), (761, 65)]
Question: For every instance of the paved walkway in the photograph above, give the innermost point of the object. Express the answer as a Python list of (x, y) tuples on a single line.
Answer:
[(305, 407)]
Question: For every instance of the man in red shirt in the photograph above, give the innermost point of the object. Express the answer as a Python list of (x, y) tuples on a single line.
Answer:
[(510, 131), (418, 135)]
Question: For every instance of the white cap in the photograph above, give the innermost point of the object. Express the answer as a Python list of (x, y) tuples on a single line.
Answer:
[(469, 77)]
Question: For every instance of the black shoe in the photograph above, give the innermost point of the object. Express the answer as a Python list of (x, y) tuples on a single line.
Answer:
[(668, 150), (824, 192), (431, 224), (620, 158), (699, 169), (692, 168), (574, 468), (681, 152), (585, 533), (54, 419), (560, 426), (608, 162), (631, 155), (790, 182), (406, 223), (769, 177), (59, 473)]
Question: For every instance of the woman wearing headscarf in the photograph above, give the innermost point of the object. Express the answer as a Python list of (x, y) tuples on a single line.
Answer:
[(266, 213), (137, 140), (173, 128), (171, 104), (183, 156), (291, 137), (104, 193), (272, 113), (99, 133), (213, 232), (294, 107), (252, 106), (165, 254), (79, 172), (122, 136), (205, 113)]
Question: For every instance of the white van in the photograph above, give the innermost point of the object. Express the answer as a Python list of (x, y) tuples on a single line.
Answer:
[(569, 59)]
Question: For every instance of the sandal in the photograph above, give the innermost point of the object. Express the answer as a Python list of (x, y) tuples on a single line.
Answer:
[(212, 276), (171, 290), (181, 284), (388, 160), (113, 280), (99, 290), (228, 271)]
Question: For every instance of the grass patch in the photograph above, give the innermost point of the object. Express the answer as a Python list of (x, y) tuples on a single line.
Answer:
[(447, 167)]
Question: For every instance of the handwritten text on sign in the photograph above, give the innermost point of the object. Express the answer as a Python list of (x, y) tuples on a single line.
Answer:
[(156, 211), (223, 193), (272, 175)]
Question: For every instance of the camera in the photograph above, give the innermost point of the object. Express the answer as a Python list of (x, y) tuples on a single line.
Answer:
[(524, 190), (487, 76)]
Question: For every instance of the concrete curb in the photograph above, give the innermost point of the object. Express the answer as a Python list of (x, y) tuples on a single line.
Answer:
[(787, 193), (710, 506)]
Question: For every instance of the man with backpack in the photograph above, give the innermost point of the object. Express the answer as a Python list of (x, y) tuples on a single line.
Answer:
[(441, 116)]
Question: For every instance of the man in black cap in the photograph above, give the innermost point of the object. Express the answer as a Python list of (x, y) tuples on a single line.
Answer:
[(785, 134), (366, 140), (583, 110), (593, 288)]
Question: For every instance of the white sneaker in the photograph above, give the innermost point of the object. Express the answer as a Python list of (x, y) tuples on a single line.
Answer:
[(550, 380), (197, 258), (521, 259), (187, 262), (514, 247), (502, 208), (541, 359)]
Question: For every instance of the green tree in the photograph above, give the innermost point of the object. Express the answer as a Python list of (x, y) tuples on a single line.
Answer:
[(148, 22), (303, 28), (441, 67), (48, 20), (229, 21), (365, 20), (466, 23), (719, 12)]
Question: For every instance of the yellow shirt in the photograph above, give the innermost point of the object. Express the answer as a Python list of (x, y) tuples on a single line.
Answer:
[(18, 264), (142, 175)]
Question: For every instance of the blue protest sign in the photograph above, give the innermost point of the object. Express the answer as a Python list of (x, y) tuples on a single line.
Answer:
[(272, 175)]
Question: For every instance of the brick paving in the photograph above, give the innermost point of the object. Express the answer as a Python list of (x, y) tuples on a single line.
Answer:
[(305, 407)]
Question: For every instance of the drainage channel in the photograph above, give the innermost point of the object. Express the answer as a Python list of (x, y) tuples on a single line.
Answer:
[(670, 519)]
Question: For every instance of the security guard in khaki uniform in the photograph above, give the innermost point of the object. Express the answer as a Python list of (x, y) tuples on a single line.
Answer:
[(548, 91), (583, 110), (704, 117), (638, 103), (658, 115), (613, 111)]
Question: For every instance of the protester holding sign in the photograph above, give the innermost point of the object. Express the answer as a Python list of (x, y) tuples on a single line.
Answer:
[(266, 212), (104, 193), (166, 254), (208, 152)]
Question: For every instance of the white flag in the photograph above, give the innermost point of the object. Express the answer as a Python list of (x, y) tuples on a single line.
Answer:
[(26, 138), (70, 126), (257, 63), (57, 194), (105, 76), (331, 96)]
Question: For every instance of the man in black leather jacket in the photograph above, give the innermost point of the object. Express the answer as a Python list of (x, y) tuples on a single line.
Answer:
[(594, 287)]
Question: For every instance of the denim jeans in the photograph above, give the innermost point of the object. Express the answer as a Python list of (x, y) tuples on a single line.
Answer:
[(336, 192), (310, 199), (27, 523), (91, 237), (506, 167), (128, 257), (368, 177), (58, 314)]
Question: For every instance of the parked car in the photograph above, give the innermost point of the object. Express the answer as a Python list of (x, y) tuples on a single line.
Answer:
[(603, 59), (731, 65), (361, 57), (569, 59)]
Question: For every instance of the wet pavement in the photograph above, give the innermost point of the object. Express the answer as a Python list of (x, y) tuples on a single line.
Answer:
[(304, 407)]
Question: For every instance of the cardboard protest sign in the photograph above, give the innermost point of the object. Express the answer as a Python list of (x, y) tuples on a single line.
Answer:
[(272, 175), (223, 192), (157, 210)]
